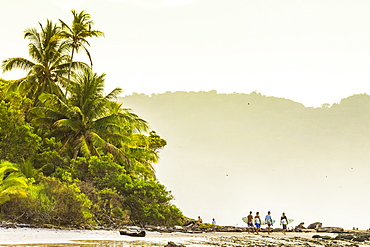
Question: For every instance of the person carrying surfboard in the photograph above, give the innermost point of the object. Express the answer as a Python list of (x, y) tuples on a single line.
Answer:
[(284, 222), (257, 222), (268, 221), (250, 222)]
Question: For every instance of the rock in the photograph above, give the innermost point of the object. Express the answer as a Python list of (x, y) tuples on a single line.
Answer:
[(315, 225), (358, 237), (308, 230), (330, 229), (299, 227), (322, 237), (172, 244), (344, 237)]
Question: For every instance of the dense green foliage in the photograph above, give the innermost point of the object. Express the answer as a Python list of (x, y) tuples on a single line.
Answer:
[(78, 157)]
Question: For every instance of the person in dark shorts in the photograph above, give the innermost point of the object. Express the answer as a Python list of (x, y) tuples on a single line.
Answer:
[(250, 222), (284, 222), (257, 222), (268, 220)]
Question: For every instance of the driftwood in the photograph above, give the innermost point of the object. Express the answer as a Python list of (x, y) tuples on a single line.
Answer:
[(133, 233)]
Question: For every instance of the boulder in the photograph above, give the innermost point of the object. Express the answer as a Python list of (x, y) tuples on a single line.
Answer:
[(172, 244), (330, 229), (300, 227), (315, 225), (322, 237)]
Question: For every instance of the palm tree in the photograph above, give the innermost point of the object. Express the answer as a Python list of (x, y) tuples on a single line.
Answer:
[(143, 152), (78, 32), (89, 123), (12, 183), (47, 71)]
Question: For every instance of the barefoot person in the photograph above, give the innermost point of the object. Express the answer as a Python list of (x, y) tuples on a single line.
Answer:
[(257, 222), (284, 222), (250, 222), (268, 221), (200, 220)]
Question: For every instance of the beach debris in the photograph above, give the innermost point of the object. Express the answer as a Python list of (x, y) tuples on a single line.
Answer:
[(133, 231)]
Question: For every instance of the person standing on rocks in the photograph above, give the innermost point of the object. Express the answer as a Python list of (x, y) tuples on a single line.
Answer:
[(213, 224), (268, 221), (250, 222), (257, 222), (200, 220), (284, 222)]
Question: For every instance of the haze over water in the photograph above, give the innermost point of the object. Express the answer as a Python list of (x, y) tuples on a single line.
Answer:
[(226, 157)]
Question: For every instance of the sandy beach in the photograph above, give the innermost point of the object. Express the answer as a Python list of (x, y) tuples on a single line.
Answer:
[(54, 237)]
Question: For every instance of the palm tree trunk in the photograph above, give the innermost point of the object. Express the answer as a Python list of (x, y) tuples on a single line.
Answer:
[(69, 71)]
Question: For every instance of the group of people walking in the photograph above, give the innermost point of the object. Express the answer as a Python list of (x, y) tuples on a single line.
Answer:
[(254, 223)]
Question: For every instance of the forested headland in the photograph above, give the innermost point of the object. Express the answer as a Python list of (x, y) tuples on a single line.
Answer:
[(70, 154)]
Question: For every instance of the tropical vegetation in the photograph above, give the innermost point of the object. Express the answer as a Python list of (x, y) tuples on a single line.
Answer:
[(70, 154)]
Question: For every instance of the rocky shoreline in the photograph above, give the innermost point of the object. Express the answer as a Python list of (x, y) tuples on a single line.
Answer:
[(336, 236), (193, 235), (202, 228), (353, 240)]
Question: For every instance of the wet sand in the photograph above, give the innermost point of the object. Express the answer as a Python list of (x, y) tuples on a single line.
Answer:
[(53, 237), (46, 237)]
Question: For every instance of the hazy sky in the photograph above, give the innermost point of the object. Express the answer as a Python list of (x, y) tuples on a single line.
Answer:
[(310, 51)]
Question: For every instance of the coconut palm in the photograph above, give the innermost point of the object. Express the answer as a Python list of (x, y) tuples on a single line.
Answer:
[(77, 33), (49, 68), (12, 182), (136, 147), (87, 124), (143, 152)]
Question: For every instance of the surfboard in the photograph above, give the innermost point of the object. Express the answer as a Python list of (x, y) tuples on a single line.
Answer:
[(245, 219), (290, 221), (264, 222)]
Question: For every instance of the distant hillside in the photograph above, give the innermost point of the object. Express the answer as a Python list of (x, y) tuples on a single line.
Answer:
[(255, 139), (257, 123)]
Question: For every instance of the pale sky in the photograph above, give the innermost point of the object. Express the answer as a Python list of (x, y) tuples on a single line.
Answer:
[(310, 51)]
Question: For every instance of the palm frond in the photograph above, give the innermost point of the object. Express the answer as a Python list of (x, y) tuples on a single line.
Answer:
[(12, 182), (16, 63)]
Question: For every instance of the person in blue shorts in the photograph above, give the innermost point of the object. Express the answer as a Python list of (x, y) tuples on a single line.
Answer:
[(257, 222)]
